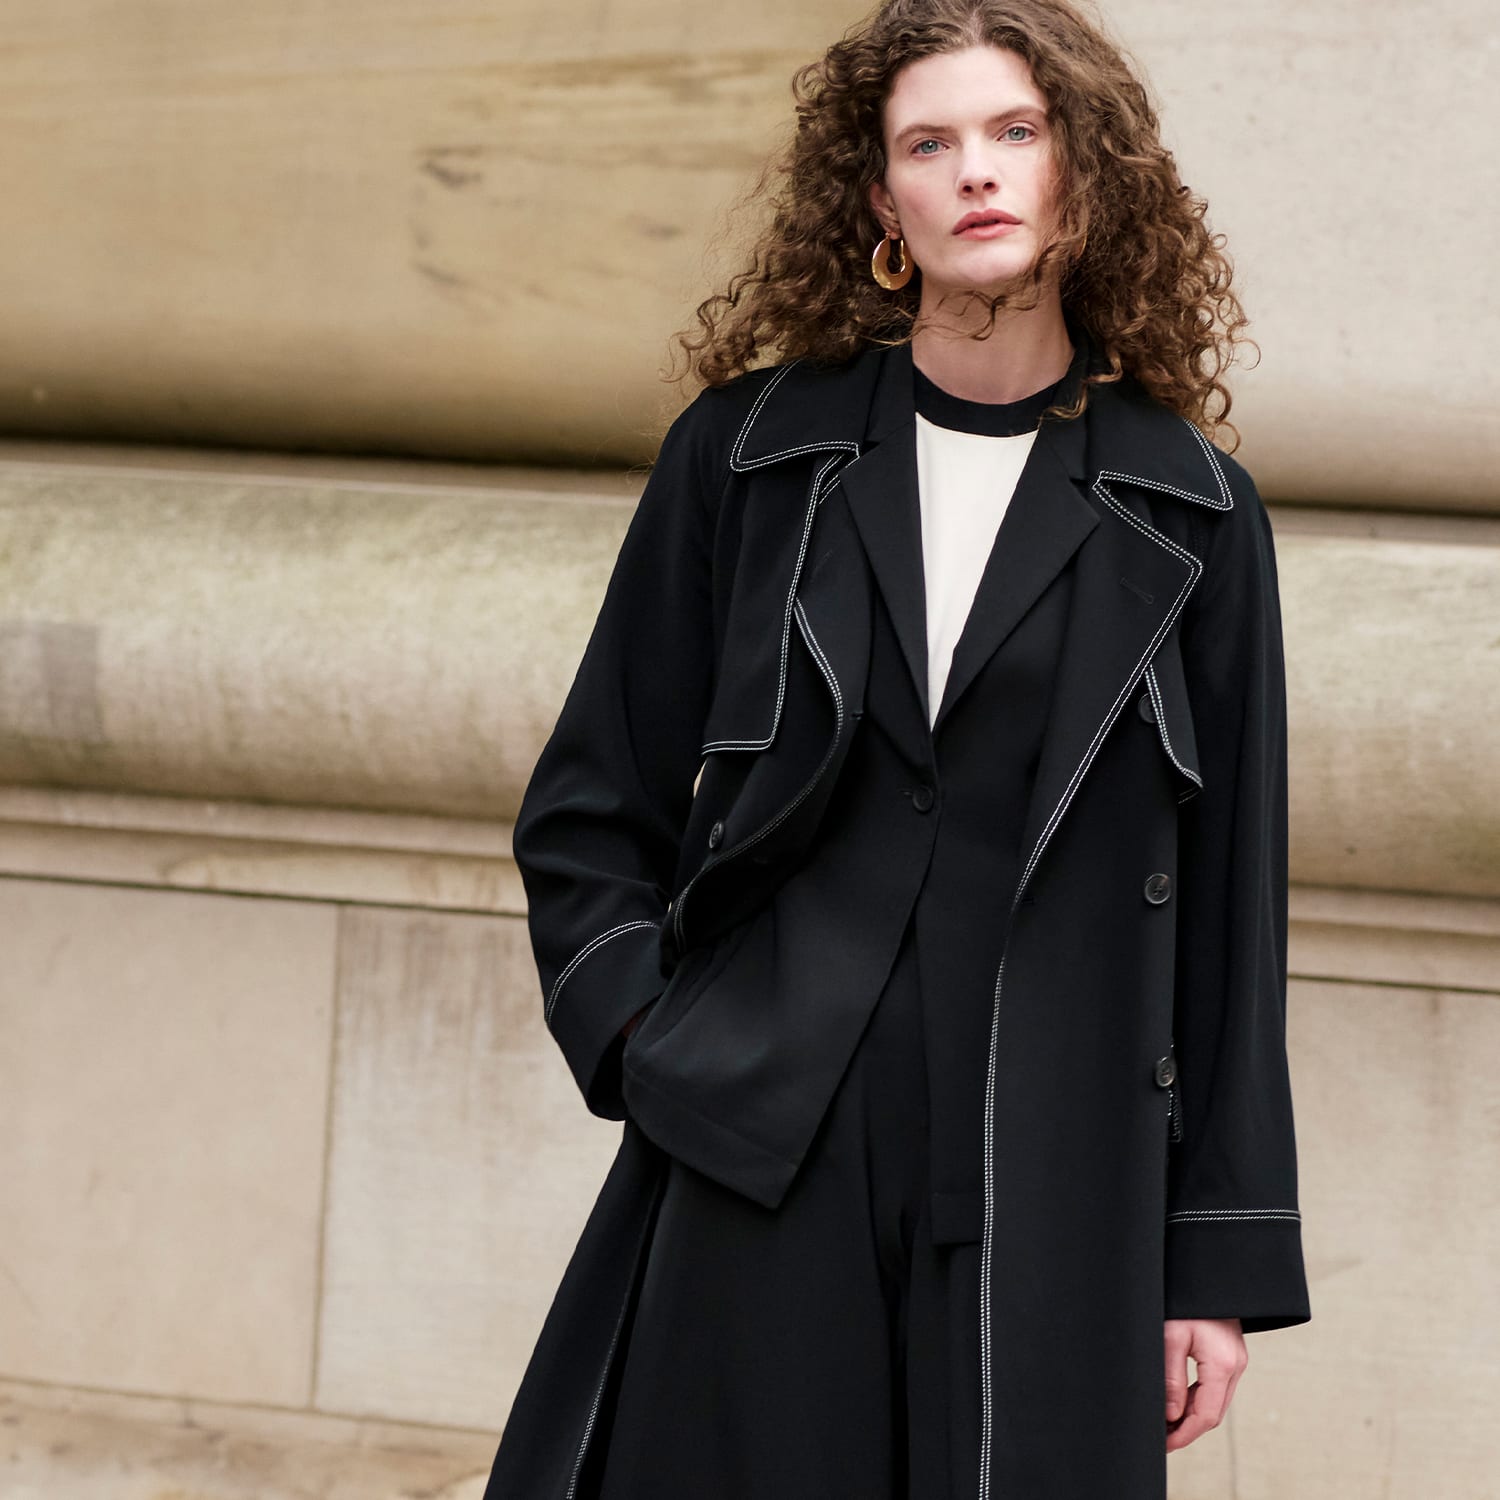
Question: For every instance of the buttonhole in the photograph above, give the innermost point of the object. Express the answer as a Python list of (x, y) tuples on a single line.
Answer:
[(1138, 591)]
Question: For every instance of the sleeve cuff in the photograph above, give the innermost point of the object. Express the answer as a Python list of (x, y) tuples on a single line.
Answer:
[(1245, 1264), (602, 986)]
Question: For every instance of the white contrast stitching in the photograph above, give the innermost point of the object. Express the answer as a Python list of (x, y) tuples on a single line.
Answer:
[(786, 625), (760, 401), (740, 466), (838, 727), (1196, 569), (614, 1340), (1159, 707), (1214, 464), (1196, 566), (583, 953), (1217, 1215), (1161, 484)]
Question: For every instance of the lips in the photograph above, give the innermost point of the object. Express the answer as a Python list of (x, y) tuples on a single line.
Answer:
[(987, 216)]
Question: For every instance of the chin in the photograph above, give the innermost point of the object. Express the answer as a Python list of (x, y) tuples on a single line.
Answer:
[(984, 278), (995, 260)]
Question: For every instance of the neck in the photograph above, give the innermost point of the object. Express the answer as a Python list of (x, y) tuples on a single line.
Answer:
[(1028, 350)]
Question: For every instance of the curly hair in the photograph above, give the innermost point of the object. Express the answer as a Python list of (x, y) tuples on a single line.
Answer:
[(1138, 269)]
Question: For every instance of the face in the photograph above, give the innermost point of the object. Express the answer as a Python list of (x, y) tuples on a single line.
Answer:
[(966, 133)]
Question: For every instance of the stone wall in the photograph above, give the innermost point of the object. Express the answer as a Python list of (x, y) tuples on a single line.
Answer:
[(469, 231), (291, 1166), (292, 1134)]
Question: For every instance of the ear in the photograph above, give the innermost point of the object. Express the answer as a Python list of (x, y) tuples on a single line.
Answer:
[(884, 207)]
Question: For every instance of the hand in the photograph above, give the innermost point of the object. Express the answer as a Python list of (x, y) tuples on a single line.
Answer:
[(1218, 1347)]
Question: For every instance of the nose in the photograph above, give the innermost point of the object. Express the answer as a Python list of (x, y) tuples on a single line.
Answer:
[(976, 173)]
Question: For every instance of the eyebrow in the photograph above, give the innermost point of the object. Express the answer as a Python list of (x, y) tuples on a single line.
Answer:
[(1005, 114)]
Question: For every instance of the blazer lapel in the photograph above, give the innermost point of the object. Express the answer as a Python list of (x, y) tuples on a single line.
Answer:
[(1044, 524), (881, 488)]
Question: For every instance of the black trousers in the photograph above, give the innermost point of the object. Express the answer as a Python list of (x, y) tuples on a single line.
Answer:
[(823, 1348)]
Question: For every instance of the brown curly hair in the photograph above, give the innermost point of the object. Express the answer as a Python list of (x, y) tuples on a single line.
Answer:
[(1139, 270)]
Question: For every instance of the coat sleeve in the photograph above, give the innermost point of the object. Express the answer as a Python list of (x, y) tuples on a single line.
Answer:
[(597, 834), (1233, 1231)]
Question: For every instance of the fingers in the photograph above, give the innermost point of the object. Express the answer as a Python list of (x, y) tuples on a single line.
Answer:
[(1218, 1349), (1176, 1340)]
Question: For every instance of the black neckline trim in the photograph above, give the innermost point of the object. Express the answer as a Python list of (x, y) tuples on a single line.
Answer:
[(987, 418)]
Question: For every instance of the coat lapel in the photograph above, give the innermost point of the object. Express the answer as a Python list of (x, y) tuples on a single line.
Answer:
[(1131, 583), (1080, 501), (1127, 591)]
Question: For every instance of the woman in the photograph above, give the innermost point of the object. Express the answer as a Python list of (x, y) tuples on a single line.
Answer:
[(908, 865)]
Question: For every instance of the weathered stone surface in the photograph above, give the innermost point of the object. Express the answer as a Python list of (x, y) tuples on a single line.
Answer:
[(164, 1063), (398, 647), (406, 646), (472, 231), (260, 849), (91, 1445), (1393, 684), (462, 1167), (1391, 1390)]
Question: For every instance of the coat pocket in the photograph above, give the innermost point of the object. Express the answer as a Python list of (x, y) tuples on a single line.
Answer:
[(695, 971)]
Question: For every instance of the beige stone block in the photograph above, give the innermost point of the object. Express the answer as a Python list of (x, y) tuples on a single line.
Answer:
[(370, 205), (406, 647), (308, 853), (398, 647), (1205, 1467), (1392, 937), (90, 1445), (164, 1066), (1393, 1387), (463, 1165), (472, 230), (1374, 385), (1393, 688)]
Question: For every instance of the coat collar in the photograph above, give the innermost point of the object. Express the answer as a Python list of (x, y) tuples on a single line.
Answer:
[(860, 418), (1128, 580), (806, 407), (1045, 523)]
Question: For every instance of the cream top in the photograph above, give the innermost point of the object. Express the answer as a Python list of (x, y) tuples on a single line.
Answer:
[(966, 480)]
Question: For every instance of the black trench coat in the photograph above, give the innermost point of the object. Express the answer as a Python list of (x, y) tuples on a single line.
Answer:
[(686, 777)]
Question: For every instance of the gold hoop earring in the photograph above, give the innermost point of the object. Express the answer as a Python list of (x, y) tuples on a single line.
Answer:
[(891, 279)]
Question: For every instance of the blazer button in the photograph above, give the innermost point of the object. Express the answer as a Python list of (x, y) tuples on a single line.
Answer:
[(1158, 888), (716, 835), (1145, 708), (922, 799), (1166, 1071)]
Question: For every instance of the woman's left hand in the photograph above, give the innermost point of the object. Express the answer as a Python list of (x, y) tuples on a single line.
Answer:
[(1218, 1347)]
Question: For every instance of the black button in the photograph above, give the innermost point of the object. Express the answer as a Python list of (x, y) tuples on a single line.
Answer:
[(1158, 888), (1166, 1071), (1146, 708), (922, 799), (715, 835)]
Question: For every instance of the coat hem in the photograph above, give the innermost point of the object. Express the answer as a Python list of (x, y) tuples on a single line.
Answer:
[(707, 1145)]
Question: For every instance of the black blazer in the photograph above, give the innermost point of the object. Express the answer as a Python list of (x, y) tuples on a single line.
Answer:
[(1138, 1153)]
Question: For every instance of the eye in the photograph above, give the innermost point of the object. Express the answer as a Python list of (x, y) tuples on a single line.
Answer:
[(1018, 139), (917, 149)]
